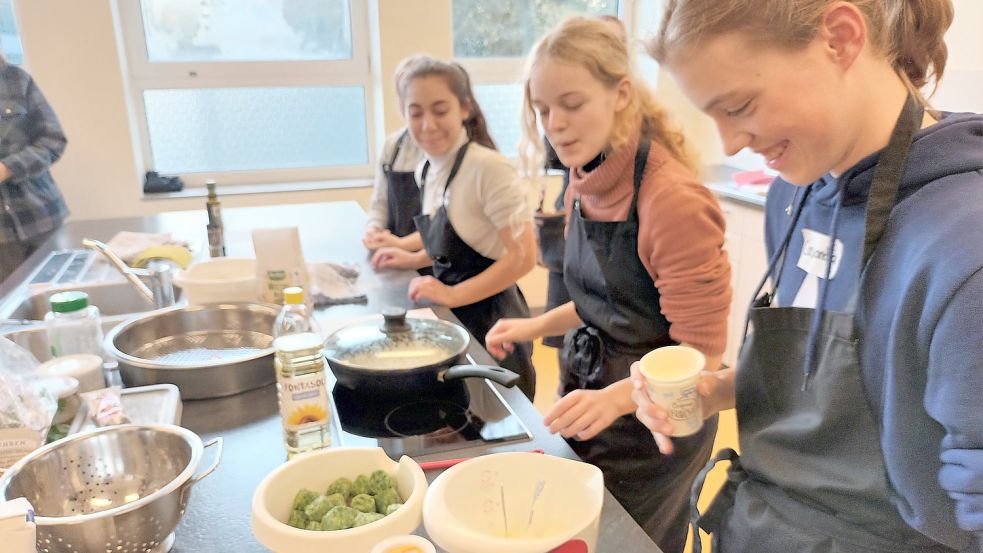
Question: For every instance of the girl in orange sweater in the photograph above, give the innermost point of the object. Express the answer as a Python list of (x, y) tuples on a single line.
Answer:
[(643, 263)]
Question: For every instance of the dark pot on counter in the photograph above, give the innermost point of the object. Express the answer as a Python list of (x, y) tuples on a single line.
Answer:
[(404, 356)]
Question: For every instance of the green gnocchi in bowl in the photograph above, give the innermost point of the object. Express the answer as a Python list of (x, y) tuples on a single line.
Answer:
[(280, 520), (346, 504)]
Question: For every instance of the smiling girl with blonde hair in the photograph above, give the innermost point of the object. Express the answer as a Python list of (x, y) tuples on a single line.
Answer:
[(643, 264)]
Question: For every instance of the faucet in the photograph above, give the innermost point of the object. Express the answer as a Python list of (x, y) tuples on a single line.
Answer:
[(158, 273)]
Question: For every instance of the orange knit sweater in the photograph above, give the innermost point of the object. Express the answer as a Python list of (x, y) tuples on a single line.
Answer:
[(680, 238)]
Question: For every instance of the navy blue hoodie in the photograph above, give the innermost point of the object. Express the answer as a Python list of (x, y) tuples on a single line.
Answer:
[(920, 316)]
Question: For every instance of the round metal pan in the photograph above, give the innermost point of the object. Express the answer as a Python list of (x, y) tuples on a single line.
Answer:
[(207, 351)]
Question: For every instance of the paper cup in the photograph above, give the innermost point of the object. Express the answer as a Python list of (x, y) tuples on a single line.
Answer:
[(671, 374)]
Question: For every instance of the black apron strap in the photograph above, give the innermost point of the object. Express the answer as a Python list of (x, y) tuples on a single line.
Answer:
[(641, 157), (887, 176), (392, 160), (450, 177), (710, 520)]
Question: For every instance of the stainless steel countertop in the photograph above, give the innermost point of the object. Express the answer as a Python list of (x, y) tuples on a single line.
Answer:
[(718, 179), (218, 515)]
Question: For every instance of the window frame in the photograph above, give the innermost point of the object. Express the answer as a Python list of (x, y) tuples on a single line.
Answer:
[(493, 70), (143, 75)]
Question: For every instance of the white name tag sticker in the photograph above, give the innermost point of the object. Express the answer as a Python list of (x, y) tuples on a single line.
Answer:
[(815, 246)]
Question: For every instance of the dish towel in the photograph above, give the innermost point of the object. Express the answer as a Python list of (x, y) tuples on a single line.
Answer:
[(334, 284), (129, 245)]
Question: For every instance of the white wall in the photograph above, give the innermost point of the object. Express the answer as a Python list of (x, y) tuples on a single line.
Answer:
[(962, 86)]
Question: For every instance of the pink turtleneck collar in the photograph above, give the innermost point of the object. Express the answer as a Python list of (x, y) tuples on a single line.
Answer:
[(605, 191)]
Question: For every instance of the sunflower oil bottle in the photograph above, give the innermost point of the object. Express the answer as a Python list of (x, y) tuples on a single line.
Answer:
[(301, 387)]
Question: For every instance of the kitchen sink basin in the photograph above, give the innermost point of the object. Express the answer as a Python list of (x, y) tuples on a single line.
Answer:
[(35, 340), (112, 298)]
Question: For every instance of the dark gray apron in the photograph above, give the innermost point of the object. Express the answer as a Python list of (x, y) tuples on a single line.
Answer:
[(619, 304), (403, 195), (454, 261), (812, 476)]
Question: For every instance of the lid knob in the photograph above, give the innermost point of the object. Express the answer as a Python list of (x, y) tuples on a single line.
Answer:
[(395, 320)]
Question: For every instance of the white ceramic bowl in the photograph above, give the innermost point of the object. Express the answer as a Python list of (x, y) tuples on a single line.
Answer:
[(273, 500), (219, 280), (463, 509)]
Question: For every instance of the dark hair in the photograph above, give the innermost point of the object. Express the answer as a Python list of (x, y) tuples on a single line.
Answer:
[(909, 33), (458, 82)]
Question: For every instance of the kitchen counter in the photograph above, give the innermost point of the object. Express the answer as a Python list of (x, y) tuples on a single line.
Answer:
[(218, 515), (718, 178)]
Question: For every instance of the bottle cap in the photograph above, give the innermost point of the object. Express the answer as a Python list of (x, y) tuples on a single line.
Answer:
[(67, 302), (293, 295)]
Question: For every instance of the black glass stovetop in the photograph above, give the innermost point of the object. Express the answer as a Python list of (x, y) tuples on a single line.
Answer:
[(454, 415)]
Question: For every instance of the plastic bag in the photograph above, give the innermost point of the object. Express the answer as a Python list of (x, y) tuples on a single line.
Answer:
[(26, 409)]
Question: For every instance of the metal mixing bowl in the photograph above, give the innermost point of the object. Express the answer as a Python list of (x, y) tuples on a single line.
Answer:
[(211, 350), (118, 489)]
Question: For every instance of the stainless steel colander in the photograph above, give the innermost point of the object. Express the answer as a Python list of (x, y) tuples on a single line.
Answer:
[(118, 489), (207, 351)]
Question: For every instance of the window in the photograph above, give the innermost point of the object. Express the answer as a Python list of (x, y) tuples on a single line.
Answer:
[(10, 45), (491, 40), (251, 91)]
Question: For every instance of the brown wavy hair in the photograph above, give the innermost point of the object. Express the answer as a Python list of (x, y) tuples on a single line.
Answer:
[(591, 44), (908, 33), (458, 81)]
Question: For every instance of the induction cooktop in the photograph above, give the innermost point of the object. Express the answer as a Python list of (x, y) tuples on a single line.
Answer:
[(455, 415)]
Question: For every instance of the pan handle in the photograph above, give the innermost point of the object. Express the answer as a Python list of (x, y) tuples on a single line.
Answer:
[(502, 376)]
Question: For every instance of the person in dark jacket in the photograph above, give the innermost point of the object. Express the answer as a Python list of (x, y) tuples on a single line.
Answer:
[(857, 390), (31, 139)]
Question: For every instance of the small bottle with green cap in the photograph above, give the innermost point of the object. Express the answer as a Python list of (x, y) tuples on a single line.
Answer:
[(73, 326)]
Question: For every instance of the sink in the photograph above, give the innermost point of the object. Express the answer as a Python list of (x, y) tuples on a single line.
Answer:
[(35, 340), (64, 270), (112, 298)]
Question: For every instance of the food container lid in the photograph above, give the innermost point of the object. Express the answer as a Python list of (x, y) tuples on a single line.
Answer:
[(396, 343), (84, 367), (60, 387), (67, 302)]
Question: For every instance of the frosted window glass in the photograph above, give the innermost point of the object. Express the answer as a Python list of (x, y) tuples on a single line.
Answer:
[(509, 28), (247, 30), (502, 106), (239, 129), (9, 37)]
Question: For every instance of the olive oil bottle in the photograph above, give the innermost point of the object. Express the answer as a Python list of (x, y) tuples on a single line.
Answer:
[(215, 228)]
